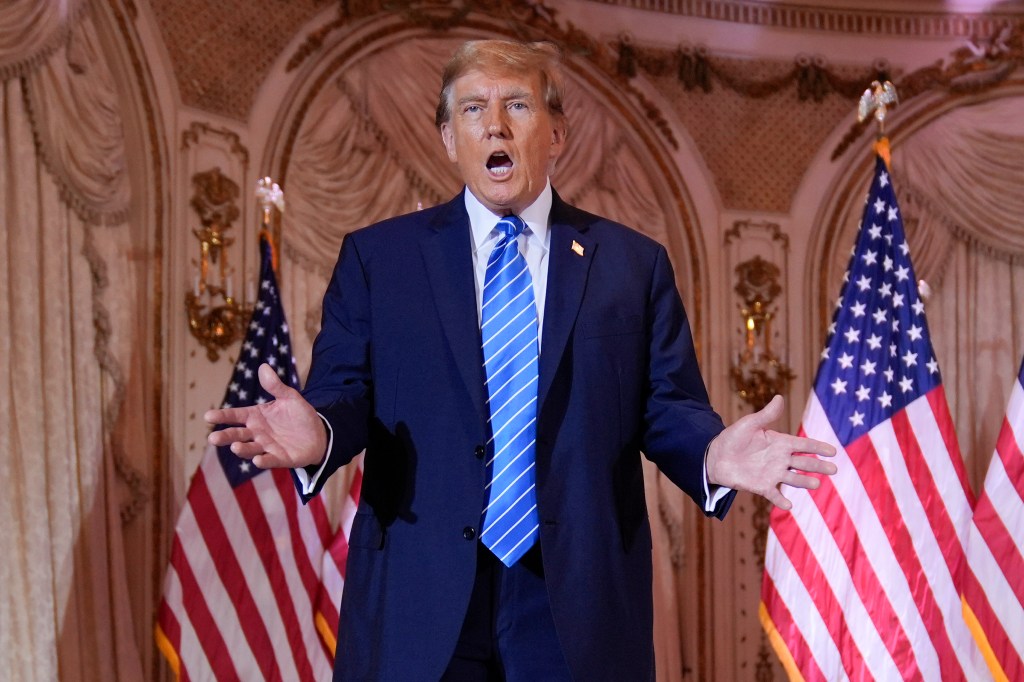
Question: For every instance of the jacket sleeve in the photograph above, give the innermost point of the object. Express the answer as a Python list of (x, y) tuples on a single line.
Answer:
[(339, 385), (679, 422)]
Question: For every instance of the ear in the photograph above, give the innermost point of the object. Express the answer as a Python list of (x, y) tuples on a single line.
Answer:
[(448, 138), (558, 135)]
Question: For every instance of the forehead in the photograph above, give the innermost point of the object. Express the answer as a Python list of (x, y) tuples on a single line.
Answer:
[(497, 83)]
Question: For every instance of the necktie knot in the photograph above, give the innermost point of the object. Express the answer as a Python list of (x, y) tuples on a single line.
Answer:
[(511, 226)]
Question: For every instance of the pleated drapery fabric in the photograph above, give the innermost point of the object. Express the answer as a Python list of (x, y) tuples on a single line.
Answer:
[(65, 610)]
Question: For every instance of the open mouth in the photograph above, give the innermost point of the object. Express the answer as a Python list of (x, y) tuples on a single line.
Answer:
[(499, 163)]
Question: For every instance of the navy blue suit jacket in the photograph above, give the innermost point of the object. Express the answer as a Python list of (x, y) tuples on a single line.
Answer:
[(397, 369)]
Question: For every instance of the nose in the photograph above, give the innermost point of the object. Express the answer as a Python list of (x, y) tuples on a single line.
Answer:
[(496, 122)]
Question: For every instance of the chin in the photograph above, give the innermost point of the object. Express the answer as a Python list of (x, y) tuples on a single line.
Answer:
[(499, 204)]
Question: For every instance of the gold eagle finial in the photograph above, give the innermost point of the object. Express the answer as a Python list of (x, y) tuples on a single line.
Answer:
[(877, 99)]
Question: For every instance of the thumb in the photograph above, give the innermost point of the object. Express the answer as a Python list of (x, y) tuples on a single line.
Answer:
[(770, 413), (271, 383)]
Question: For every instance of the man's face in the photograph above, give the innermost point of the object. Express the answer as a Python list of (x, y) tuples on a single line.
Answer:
[(502, 138)]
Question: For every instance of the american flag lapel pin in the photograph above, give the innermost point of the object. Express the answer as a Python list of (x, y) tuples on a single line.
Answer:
[(577, 248)]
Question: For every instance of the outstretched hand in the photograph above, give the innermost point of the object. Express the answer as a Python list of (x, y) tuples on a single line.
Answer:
[(285, 432), (748, 456)]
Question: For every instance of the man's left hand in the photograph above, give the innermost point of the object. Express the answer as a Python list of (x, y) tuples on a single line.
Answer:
[(748, 456)]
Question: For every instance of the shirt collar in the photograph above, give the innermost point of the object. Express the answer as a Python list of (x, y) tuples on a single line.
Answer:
[(482, 220)]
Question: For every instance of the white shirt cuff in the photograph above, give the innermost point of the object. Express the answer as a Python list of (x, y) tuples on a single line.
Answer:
[(713, 494), (309, 482)]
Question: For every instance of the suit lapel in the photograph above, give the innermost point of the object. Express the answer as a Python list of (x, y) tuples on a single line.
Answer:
[(448, 258), (569, 262), (449, 263)]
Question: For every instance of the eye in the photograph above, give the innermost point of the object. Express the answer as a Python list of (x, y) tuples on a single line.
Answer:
[(518, 106)]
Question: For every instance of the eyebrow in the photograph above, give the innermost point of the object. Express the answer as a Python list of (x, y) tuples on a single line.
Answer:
[(517, 93)]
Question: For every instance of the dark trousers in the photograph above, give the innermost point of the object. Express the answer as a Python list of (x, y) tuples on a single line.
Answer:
[(508, 634)]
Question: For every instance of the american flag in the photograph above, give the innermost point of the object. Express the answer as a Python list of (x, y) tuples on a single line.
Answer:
[(332, 574), (240, 592), (994, 604), (862, 578)]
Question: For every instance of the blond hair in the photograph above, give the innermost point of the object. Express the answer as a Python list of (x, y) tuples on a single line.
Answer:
[(504, 55)]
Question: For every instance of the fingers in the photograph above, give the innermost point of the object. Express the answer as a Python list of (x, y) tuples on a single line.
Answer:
[(247, 450), (230, 435), (269, 461), (778, 499), (240, 441), (228, 415), (812, 465), (272, 383), (814, 447), (770, 413), (797, 444), (796, 480)]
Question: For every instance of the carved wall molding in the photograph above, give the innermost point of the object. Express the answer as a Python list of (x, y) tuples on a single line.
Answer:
[(197, 129), (224, 76), (807, 17), (699, 70), (981, 65), (773, 230)]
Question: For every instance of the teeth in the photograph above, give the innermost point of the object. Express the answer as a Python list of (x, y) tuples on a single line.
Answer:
[(501, 170)]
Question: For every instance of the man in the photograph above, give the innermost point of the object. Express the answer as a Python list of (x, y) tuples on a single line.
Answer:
[(502, 531)]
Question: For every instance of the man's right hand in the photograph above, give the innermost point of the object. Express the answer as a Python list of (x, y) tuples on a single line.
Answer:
[(285, 432)]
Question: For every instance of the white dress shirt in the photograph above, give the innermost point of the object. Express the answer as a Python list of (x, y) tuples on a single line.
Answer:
[(534, 244)]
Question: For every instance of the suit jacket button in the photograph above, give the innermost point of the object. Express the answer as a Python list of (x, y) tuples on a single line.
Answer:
[(469, 532), (479, 452)]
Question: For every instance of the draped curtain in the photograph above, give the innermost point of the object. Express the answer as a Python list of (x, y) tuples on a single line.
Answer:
[(64, 194), (366, 152), (960, 181)]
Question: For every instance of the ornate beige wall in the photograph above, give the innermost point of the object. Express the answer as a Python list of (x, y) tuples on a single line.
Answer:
[(724, 129)]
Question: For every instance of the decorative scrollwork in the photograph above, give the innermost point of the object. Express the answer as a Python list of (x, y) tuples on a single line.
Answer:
[(981, 64)]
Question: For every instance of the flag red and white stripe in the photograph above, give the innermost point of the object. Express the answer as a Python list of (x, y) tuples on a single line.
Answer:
[(332, 574), (994, 603), (863, 576), (244, 574)]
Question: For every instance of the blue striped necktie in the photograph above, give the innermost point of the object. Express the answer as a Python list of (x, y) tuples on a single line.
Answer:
[(508, 327)]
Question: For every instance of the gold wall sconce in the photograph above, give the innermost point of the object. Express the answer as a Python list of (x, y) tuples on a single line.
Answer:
[(215, 317), (757, 373)]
